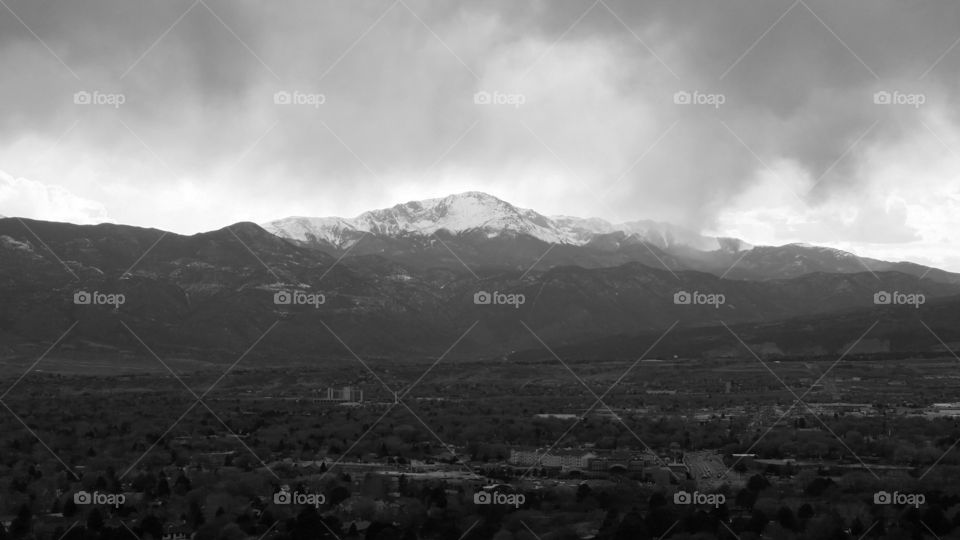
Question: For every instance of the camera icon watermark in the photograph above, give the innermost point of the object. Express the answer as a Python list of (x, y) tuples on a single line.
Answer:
[(97, 298), (83, 498), (286, 497), (284, 97), (484, 97), (684, 298), (683, 97), (910, 499), (711, 499), (509, 499), (885, 298), (484, 298), (299, 298), (114, 100), (883, 97)]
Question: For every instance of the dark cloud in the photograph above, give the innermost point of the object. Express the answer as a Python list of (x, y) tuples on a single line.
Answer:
[(399, 94)]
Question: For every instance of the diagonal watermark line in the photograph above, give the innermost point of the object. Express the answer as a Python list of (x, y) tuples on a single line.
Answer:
[(252, 146), (945, 346), (557, 41), (39, 440), (865, 266), (799, 399), (939, 58), (599, 399), (342, 256), (442, 42), (136, 262), (452, 146), (327, 527), (757, 157), (455, 256), (35, 36), (270, 528), (549, 149), (357, 41), (159, 39), (644, 242), (274, 274), (199, 399), (727, 527), (940, 140), (754, 44), (127, 527), (356, 442), (659, 260), (450, 448), (927, 527), (842, 42), (354, 154), (237, 361), (939, 459), (357, 357), (70, 528), (439, 359), (527, 527), (797, 402), (954, 445), (866, 532), (735, 263), (149, 148), (242, 42), (666, 532), (160, 438), (45, 246), (554, 445), (42, 356), (639, 159), (240, 440), (536, 262), (470, 528), (634, 34), (396, 395), (844, 154), (62, 136), (641, 357)]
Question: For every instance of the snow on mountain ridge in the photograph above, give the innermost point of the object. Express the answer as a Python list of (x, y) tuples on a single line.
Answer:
[(475, 210)]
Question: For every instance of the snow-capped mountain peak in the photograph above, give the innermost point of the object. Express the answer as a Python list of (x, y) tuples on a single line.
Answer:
[(476, 211)]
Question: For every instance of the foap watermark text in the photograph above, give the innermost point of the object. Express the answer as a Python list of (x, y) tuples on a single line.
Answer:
[(97, 298), (295, 497), (897, 298), (896, 97), (499, 98), (484, 298), (697, 97), (509, 499), (697, 298), (97, 97), (298, 298), (711, 499), (909, 499), (297, 97), (111, 499)]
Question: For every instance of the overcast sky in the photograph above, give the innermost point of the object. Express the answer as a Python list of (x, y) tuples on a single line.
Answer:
[(783, 140)]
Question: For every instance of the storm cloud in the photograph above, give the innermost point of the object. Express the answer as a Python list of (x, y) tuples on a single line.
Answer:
[(587, 123)]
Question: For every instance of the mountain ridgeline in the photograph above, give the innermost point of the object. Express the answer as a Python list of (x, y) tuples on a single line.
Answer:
[(413, 279)]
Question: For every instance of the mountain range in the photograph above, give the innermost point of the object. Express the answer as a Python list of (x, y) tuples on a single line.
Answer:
[(410, 281), (483, 233)]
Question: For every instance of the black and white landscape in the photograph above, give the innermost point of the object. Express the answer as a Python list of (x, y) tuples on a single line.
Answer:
[(479, 270)]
